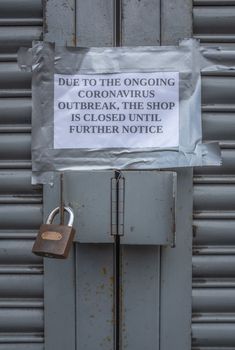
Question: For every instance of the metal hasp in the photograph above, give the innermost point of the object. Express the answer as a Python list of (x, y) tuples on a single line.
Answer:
[(137, 205), (123, 277)]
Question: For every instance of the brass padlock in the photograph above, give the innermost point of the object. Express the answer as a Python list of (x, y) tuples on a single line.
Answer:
[(54, 241)]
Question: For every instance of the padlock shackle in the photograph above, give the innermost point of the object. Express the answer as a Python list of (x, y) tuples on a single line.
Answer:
[(56, 211)]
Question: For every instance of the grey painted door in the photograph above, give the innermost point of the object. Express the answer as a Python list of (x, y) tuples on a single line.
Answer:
[(80, 293), (109, 293)]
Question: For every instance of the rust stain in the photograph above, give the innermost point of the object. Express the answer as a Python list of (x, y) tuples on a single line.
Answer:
[(104, 271), (74, 40)]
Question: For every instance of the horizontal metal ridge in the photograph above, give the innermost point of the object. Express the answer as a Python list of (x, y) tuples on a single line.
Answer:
[(213, 334), (21, 269), (18, 182), (210, 38), (214, 21), (15, 111), (213, 318), (15, 164), (20, 216), (202, 250), (213, 2), (15, 146), (214, 283), (13, 37), (21, 320), (213, 266), (224, 72), (208, 348), (222, 46), (18, 234), (218, 108), (214, 197), (214, 214), (21, 287), (21, 303), (12, 337), (214, 179), (15, 93), (214, 233), (15, 128), (227, 168), (22, 8), (219, 127), (226, 144), (8, 57), (21, 199), (213, 301), (21, 21)]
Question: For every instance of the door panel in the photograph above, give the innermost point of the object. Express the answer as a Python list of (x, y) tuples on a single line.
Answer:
[(94, 296), (140, 297), (89, 194), (81, 292)]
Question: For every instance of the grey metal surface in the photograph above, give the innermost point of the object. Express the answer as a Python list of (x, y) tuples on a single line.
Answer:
[(12, 78), (21, 286), (222, 199), (213, 300), (135, 29), (21, 274), (227, 168), (141, 297), (214, 232), (174, 30), (180, 271), (216, 335), (59, 21), (15, 111), (15, 251), (149, 206), (89, 194), (99, 15), (214, 239), (24, 9), (214, 2), (18, 182), (57, 335), (13, 37), (217, 88), (21, 319), (59, 288), (15, 146), (207, 21), (94, 296), (23, 216), (218, 125), (176, 272), (24, 345)]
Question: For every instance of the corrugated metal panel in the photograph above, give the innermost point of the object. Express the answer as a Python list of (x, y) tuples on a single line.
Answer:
[(214, 21), (214, 201), (21, 273)]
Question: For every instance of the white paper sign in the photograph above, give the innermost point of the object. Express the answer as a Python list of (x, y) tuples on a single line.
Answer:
[(126, 110)]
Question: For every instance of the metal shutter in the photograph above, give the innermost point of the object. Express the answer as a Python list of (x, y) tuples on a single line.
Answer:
[(21, 279), (214, 191)]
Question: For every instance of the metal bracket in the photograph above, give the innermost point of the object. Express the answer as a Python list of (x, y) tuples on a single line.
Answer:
[(117, 204)]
